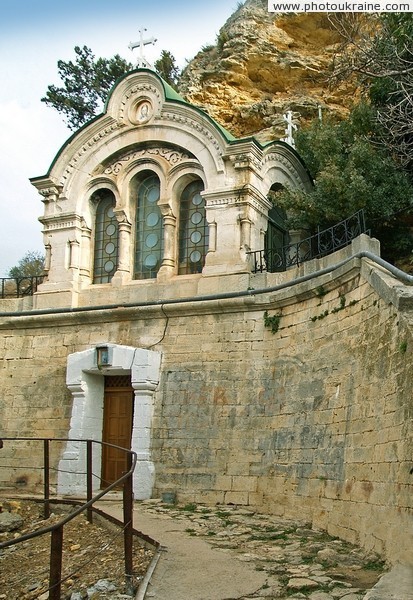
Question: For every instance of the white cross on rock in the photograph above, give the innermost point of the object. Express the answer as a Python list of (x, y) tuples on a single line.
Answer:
[(291, 127)]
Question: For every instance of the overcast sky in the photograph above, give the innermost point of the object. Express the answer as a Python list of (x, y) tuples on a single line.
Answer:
[(34, 35)]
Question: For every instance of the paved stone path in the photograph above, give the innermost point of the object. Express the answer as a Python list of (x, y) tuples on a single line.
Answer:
[(292, 561)]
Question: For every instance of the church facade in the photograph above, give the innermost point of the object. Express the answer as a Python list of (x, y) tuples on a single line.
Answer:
[(288, 392), (151, 202), (155, 191)]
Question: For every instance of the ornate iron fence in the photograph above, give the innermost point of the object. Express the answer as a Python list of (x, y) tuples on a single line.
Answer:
[(18, 287), (321, 244)]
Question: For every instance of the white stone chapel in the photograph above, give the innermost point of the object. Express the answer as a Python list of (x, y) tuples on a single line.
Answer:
[(154, 193)]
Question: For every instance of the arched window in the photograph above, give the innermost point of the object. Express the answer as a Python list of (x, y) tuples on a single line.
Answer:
[(149, 228), (193, 230), (276, 236), (106, 239)]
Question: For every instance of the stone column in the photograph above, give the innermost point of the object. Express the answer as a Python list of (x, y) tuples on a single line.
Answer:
[(245, 232), (74, 247), (47, 258), (124, 246), (86, 252), (123, 272), (212, 245), (167, 268)]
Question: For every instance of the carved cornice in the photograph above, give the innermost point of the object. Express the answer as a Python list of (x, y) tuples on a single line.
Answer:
[(246, 195), (278, 159), (245, 161), (173, 157), (86, 148), (50, 194), (245, 154), (186, 121), (53, 223)]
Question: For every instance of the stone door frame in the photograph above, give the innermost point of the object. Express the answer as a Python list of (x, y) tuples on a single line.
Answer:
[(85, 380)]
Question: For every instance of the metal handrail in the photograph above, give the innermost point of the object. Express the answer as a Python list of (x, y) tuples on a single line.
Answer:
[(56, 530), (19, 287), (321, 244)]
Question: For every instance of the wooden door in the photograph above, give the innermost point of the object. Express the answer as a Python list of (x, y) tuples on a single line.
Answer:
[(117, 427)]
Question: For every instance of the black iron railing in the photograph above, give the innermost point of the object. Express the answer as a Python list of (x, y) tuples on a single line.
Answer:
[(321, 244), (18, 287), (56, 530)]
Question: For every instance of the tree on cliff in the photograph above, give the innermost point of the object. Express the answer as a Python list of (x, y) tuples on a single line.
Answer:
[(351, 173), (166, 67), (87, 82), (379, 51)]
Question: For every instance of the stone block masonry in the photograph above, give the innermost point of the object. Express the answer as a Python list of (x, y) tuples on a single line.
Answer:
[(314, 420)]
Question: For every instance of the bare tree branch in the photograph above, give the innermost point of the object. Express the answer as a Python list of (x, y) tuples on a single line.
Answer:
[(378, 50)]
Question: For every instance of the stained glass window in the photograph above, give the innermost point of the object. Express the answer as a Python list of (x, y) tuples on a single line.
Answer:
[(193, 230), (149, 229), (106, 239)]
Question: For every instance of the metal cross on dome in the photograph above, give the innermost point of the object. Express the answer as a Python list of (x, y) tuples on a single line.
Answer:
[(142, 62)]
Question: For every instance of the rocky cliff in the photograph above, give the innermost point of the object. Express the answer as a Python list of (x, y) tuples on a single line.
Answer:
[(262, 65)]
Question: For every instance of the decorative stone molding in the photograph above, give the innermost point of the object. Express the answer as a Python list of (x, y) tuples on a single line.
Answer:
[(50, 194), (245, 154), (245, 195), (86, 148), (199, 128), (278, 159), (172, 156), (245, 161), (125, 115), (97, 182), (59, 225), (142, 113), (61, 222), (122, 217)]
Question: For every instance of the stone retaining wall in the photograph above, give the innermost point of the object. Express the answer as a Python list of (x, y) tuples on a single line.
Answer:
[(312, 420)]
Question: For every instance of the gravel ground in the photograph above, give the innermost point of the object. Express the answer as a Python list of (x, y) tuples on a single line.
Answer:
[(91, 553)]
